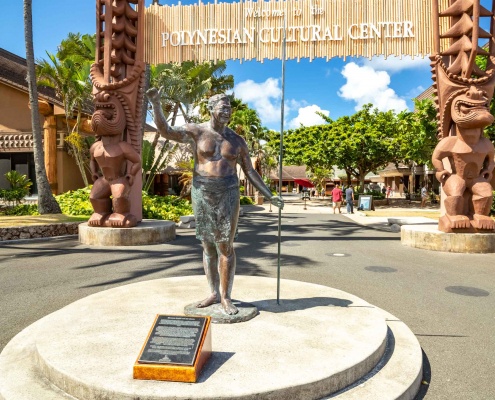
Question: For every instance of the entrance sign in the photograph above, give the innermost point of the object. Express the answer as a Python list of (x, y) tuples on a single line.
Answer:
[(314, 29)]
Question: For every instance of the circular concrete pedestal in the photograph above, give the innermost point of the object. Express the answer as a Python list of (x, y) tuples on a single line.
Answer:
[(428, 237), (317, 341), (145, 233)]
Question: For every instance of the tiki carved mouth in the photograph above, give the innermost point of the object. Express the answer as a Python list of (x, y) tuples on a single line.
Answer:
[(109, 117), (471, 110)]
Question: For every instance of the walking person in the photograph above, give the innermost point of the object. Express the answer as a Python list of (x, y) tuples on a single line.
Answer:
[(424, 196), (336, 198), (349, 199)]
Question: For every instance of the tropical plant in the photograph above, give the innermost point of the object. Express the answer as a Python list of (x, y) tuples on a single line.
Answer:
[(246, 201), (46, 202), (165, 207), (246, 123), (185, 86), (21, 209), (76, 202), (68, 73), (19, 188), (155, 161), (186, 177)]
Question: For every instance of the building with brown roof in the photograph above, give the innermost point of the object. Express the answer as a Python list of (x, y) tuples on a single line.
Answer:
[(16, 136)]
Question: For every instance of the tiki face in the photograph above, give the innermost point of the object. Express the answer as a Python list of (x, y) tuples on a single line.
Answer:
[(471, 109), (109, 118)]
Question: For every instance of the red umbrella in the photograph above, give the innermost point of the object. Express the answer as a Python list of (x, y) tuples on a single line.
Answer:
[(304, 182)]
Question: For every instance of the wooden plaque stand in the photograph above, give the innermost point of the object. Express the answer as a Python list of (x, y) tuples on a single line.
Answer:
[(165, 371)]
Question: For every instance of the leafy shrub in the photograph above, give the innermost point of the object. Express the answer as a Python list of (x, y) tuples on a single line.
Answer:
[(242, 189), (165, 207), (75, 202), (19, 187), (22, 209), (154, 207), (246, 201)]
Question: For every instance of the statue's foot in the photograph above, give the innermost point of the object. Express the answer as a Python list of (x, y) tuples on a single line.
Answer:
[(117, 220), (98, 219), (211, 299), (483, 222), (228, 307), (459, 221)]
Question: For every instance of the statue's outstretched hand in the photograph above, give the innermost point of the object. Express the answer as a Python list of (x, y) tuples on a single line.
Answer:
[(277, 201), (154, 94)]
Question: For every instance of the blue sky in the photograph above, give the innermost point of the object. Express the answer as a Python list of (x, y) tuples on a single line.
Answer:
[(335, 87)]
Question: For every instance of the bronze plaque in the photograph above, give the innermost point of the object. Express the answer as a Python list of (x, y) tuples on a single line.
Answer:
[(173, 340)]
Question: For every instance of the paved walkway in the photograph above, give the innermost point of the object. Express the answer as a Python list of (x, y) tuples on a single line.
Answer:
[(446, 299), (294, 205)]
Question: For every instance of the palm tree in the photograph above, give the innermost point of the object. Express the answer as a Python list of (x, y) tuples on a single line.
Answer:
[(70, 79), (186, 85), (46, 202)]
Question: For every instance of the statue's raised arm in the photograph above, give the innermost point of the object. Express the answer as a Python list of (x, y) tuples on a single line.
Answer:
[(178, 134)]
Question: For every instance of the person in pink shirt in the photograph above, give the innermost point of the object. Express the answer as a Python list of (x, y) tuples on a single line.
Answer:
[(336, 198)]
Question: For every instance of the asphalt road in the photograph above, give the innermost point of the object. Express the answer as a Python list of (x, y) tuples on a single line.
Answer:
[(447, 300)]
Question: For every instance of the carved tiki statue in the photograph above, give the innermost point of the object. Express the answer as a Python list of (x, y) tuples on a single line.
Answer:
[(464, 158), (118, 79)]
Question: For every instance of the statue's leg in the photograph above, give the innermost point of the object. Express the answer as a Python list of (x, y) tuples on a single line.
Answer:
[(210, 264), (100, 200), (226, 266), (121, 216), (454, 188), (482, 201)]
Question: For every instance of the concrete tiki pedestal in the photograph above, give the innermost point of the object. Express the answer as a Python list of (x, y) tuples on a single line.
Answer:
[(428, 237), (147, 232), (318, 341)]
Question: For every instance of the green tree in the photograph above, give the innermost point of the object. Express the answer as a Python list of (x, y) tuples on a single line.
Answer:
[(185, 85), (46, 202), (246, 123), (306, 146), (417, 134), (364, 142)]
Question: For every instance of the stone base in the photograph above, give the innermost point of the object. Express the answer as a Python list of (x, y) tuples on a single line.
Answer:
[(317, 341), (245, 312), (428, 237), (147, 232)]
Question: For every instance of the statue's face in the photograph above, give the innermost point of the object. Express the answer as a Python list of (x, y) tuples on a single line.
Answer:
[(109, 116), (222, 111), (471, 110)]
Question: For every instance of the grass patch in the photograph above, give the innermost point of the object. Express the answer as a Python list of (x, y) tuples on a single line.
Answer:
[(27, 220)]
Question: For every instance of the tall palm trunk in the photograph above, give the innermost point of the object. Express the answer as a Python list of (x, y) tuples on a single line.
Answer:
[(46, 202)]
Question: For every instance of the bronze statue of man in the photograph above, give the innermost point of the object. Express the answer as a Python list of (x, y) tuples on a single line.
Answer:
[(217, 150)]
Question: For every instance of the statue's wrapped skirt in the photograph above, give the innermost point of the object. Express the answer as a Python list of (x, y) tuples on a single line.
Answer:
[(215, 202)]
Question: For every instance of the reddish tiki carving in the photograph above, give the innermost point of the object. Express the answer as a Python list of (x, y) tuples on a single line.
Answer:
[(464, 159), (118, 84)]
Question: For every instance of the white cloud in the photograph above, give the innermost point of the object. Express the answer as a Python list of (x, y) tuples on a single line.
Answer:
[(365, 85), (396, 64), (307, 117), (263, 97)]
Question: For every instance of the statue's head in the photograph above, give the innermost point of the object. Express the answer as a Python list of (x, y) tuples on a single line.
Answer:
[(217, 98), (219, 107), (471, 109), (109, 118)]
